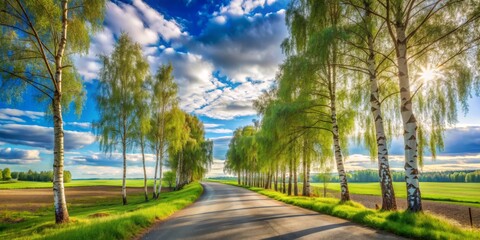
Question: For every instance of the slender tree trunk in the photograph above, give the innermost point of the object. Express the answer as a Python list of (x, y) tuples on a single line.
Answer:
[(157, 160), (307, 177), (295, 179), (283, 181), (276, 179), (124, 177), (180, 180), (290, 178), (414, 199), (160, 176), (238, 177), (142, 146), (162, 148), (304, 168), (345, 194), (59, 200), (386, 183)]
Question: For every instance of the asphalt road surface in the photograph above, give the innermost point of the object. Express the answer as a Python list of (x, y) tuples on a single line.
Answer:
[(228, 212)]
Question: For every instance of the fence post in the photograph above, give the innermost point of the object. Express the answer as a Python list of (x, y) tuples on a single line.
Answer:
[(470, 213)]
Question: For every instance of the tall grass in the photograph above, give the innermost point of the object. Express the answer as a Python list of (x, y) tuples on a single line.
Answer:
[(411, 225)]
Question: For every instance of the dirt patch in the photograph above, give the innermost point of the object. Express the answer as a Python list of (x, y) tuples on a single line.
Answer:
[(99, 215), (34, 199), (11, 220), (450, 212)]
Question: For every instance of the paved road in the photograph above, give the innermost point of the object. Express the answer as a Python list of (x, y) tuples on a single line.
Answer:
[(228, 212)]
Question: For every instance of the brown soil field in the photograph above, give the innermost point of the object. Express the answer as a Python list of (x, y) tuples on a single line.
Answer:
[(34, 199), (451, 212)]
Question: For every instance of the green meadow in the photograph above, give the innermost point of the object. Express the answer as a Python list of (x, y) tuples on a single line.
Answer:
[(468, 193), (97, 219)]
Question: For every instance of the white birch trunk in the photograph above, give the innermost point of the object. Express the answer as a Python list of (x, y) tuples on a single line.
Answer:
[(142, 145), (386, 183), (124, 176), (345, 194), (59, 200), (157, 160), (409, 125)]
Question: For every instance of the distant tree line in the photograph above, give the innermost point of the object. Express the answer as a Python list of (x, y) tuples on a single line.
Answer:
[(372, 176), (34, 176)]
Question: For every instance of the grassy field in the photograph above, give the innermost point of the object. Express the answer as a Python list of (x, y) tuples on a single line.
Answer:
[(438, 191), (75, 183), (104, 219), (420, 226)]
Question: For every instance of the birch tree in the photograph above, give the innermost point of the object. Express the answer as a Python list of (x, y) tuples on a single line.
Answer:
[(315, 28), (143, 126), (121, 80), (164, 99), (423, 33), (370, 58), (37, 41)]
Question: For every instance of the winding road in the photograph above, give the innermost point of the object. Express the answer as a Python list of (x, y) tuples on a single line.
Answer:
[(229, 212)]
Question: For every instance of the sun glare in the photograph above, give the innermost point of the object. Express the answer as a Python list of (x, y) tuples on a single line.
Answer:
[(429, 74)]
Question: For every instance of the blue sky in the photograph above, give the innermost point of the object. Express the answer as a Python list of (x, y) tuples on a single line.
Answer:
[(225, 53)]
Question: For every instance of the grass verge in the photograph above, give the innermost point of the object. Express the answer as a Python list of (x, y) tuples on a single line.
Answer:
[(403, 223), (98, 220)]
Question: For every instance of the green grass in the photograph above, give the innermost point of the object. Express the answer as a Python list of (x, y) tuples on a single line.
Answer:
[(421, 226), (437, 191), (120, 222), (75, 183)]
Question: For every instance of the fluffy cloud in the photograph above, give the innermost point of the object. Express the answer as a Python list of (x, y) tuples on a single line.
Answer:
[(18, 156), (194, 75), (218, 130), (244, 47), (463, 139), (234, 101), (144, 24), (115, 159), (86, 171), (241, 7), (79, 124), (237, 46), (42, 137), (220, 146), (217, 169), (16, 115), (211, 125), (445, 162)]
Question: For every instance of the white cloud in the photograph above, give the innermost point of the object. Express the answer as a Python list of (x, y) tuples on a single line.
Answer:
[(242, 7), (441, 163), (211, 125), (79, 124), (42, 137), (234, 102), (222, 138), (218, 130), (107, 159), (168, 29), (86, 171), (18, 156), (17, 115), (217, 169)]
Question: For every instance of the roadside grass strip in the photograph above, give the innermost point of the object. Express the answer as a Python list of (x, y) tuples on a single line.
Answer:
[(402, 223), (101, 220)]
